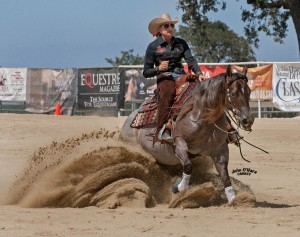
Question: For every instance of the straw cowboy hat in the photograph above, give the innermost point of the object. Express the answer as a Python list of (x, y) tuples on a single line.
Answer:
[(157, 22)]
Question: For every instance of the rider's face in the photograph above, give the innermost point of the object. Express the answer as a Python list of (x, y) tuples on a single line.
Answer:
[(167, 29)]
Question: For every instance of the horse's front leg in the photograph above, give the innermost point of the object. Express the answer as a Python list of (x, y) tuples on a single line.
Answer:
[(221, 159), (181, 152)]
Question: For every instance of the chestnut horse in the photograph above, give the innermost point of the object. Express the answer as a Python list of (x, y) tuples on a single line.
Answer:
[(201, 127)]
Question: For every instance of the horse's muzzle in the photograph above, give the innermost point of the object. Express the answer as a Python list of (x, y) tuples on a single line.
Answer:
[(247, 122)]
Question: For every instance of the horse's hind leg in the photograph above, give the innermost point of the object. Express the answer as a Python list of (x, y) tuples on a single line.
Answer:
[(181, 152), (221, 162)]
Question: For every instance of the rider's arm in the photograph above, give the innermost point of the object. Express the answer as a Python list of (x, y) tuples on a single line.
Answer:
[(149, 70)]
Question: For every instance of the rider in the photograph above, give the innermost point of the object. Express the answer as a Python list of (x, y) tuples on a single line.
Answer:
[(166, 53)]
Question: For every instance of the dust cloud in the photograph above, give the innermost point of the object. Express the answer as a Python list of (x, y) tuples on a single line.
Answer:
[(97, 169)]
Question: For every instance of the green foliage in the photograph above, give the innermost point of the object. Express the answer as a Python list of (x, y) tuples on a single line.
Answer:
[(127, 58), (214, 42), (265, 16), (211, 41), (268, 17)]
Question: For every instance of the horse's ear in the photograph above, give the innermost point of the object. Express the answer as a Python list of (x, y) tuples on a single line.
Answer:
[(228, 71), (245, 69)]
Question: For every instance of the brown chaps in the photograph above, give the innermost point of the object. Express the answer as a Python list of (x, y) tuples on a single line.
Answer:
[(166, 95)]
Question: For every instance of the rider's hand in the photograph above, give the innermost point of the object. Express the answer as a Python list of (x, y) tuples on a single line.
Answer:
[(201, 78), (164, 66)]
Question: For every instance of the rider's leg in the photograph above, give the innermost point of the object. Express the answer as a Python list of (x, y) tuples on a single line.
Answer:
[(166, 94), (181, 151)]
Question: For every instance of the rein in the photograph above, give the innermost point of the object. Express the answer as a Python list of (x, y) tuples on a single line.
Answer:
[(236, 121), (230, 81)]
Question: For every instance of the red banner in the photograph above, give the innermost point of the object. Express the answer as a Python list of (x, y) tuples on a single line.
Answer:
[(209, 70)]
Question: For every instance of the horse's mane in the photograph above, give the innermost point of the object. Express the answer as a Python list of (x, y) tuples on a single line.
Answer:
[(209, 96)]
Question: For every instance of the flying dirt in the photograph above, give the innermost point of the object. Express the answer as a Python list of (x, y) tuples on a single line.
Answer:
[(97, 169)]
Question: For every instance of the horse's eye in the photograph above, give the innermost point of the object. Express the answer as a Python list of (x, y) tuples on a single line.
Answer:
[(232, 94)]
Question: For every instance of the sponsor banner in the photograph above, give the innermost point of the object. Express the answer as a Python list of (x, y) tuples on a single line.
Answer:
[(286, 86), (98, 90), (13, 84), (260, 81), (134, 86), (212, 70), (209, 70), (48, 87)]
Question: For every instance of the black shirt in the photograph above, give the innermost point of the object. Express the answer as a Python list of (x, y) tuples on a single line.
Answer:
[(159, 50)]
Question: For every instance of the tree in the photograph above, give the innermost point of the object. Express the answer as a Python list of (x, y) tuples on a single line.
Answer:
[(127, 58), (215, 42), (265, 16)]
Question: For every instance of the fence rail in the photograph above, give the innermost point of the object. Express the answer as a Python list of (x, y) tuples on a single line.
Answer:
[(262, 109), (266, 109)]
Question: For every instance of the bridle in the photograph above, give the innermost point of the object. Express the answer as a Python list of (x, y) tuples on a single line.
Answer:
[(234, 110), (230, 80)]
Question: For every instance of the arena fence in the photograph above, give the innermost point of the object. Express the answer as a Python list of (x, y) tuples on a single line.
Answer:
[(117, 91)]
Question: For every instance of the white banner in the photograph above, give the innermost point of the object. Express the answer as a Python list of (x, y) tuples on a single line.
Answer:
[(13, 84), (48, 87), (286, 86)]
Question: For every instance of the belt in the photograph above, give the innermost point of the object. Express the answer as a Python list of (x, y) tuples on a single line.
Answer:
[(177, 70)]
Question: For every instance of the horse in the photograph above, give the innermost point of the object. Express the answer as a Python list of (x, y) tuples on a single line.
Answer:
[(200, 127)]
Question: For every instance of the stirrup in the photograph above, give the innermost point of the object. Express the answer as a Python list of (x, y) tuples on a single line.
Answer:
[(164, 135)]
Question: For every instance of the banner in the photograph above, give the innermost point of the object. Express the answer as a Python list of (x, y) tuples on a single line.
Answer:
[(212, 70), (286, 86), (260, 82), (134, 86), (98, 90), (47, 87), (209, 70), (13, 84)]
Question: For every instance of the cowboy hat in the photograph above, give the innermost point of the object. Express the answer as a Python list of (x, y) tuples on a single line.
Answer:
[(157, 22)]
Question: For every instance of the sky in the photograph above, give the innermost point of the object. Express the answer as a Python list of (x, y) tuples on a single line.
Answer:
[(82, 33)]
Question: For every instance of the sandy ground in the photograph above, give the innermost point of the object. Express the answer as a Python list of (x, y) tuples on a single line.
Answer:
[(50, 181)]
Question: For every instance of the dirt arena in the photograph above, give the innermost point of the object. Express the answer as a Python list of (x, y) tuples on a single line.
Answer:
[(70, 176)]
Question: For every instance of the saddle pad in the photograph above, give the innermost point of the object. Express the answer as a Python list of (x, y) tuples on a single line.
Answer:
[(180, 99), (147, 117)]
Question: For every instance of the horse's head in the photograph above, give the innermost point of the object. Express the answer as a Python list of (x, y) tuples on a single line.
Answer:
[(238, 97)]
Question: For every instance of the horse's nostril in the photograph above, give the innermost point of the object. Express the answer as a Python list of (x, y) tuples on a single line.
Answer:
[(245, 121)]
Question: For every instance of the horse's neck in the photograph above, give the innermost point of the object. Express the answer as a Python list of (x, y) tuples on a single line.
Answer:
[(208, 100)]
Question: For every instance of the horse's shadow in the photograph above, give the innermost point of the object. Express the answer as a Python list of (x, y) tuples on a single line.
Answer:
[(265, 204)]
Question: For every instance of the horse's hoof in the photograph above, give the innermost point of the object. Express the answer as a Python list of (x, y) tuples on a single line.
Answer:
[(175, 186), (175, 189)]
